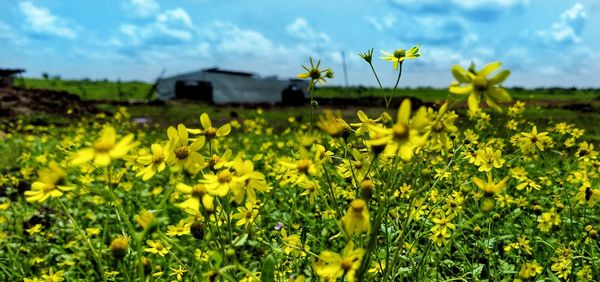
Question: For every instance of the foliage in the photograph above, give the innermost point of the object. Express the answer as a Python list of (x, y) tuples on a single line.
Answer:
[(414, 193)]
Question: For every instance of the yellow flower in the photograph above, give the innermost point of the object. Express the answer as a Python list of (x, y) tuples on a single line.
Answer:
[(330, 266), (586, 152), (529, 184), (315, 74), (246, 215), (488, 158), (333, 124), (292, 244), (530, 270), (356, 219), (153, 163), (442, 124), (156, 247), (52, 276), (209, 131), (490, 188), (51, 183), (178, 273), (118, 246), (198, 194), (252, 180), (400, 55), (34, 229), (588, 195), (404, 136), (181, 154), (182, 228), (105, 149), (477, 85), (145, 219), (221, 183), (365, 123), (530, 142)]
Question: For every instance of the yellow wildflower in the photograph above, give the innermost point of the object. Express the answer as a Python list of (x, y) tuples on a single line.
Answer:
[(356, 220), (478, 86), (105, 149), (330, 266), (400, 55), (51, 183)]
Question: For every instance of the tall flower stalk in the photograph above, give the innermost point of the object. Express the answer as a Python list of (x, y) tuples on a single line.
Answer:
[(316, 76)]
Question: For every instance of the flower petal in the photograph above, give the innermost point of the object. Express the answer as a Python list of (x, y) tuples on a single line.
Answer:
[(489, 68), (499, 77)]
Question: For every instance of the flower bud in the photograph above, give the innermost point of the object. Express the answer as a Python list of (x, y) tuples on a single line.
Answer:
[(197, 230), (118, 246)]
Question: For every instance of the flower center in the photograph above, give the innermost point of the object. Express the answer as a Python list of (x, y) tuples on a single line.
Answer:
[(182, 152), (314, 74), (49, 187), (210, 132), (399, 53), (438, 126), (158, 158), (480, 83), (400, 131), (224, 176), (358, 205), (103, 146), (198, 191), (346, 264), (303, 166)]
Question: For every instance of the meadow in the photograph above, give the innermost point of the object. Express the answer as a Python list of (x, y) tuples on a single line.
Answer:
[(482, 184)]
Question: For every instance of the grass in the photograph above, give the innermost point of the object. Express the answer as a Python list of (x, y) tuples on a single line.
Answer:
[(109, 90), (93, 89)]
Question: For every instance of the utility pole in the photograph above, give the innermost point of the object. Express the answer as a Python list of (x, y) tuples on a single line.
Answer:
[(345, 70)]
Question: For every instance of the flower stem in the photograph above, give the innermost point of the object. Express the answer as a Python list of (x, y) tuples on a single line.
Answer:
[(99, 265), (387, 102)]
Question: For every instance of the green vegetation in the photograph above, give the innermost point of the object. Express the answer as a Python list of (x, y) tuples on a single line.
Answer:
[(109, 90), (93, 89)]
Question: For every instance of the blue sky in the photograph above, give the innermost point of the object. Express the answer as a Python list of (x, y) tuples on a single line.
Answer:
[(544, 42)]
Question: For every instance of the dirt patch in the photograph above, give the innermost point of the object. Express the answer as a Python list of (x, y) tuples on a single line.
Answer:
[(15, 102)]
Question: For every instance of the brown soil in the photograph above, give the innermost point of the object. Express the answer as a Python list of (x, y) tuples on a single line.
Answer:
[(19, 101)]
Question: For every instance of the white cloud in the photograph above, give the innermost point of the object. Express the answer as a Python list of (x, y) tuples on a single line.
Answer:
[(475, 10), (233, 40), (142, 8), (171, 27), (6, 32), (41, 21), (568, 29), (177, 16), (383, 23), (301, 29)]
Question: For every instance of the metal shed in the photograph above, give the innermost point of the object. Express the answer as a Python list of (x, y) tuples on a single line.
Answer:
[(224, 87)]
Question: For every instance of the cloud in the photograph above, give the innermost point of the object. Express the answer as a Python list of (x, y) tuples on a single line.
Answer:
[(177, 16), (9, 37), (171, 27), (41, 22), (300, 29), (383, 23), (142, 8), (477, 10), (233, 40), (567, 30), (429, 30)]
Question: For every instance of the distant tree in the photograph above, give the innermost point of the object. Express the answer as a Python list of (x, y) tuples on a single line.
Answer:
[(45, 75)]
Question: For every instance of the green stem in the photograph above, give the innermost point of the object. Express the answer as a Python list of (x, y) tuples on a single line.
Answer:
[(99, 265), (387, 103)]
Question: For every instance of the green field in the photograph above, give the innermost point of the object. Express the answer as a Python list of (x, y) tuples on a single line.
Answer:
[(109, 90)]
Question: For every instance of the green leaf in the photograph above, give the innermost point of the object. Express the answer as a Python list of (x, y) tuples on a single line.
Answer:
[(241, 240), (268, 269)]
